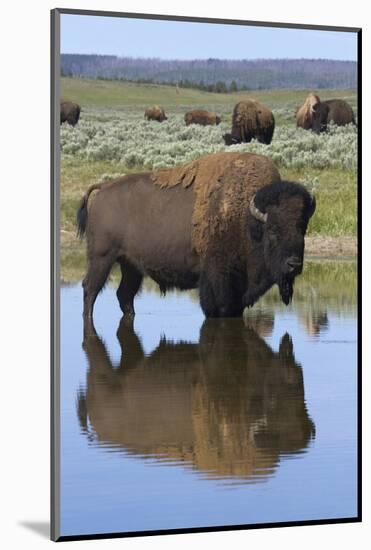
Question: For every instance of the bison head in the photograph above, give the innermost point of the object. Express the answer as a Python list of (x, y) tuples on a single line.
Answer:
[(319, 117), (280, 213), (311, 102), (230, 140), (217, 120)]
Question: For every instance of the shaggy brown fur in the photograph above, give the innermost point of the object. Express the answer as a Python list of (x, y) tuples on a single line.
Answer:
[(70, 112), (199, 116), (193, 226), (316, 114), (251, 120), (340, 112), (188, 403), (223, 185), (155, 113), (304, 114)]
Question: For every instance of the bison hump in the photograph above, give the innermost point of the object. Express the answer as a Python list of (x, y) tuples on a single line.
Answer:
[(223, 184)]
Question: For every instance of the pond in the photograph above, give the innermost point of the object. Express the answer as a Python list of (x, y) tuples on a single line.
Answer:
[(176, 422)]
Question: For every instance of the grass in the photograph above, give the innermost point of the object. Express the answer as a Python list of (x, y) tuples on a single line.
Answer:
[(115, 93), (335, 188), (336, 197)]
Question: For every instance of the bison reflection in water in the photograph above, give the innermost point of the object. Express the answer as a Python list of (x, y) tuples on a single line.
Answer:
[(228, 406)]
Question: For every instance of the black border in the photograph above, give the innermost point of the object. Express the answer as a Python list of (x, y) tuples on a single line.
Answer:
[(126, 15), (54, 244), (55, 284)]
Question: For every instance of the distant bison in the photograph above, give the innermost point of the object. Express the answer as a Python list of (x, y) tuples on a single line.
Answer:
[(224, 223), (304, 114), (250, 120), (70, 112), (337, 111), (199, 116), (316, 114), (155, 113)]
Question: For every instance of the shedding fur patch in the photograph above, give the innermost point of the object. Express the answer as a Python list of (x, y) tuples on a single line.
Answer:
[(223, 184), (304, 114)]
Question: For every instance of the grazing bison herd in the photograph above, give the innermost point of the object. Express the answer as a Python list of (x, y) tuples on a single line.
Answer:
[(250, 119), (225, 223)]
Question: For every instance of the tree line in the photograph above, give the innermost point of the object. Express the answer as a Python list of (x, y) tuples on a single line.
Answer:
[(216, 75)]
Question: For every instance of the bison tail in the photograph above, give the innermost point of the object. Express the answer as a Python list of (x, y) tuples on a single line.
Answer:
[(82, 213)]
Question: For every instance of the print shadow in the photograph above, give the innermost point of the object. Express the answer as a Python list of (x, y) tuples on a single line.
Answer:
[(42, 528)]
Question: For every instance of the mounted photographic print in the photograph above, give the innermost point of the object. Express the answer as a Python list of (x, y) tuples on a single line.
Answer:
[(205, 227)]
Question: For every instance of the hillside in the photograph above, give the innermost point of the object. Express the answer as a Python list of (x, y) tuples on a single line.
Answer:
[(217, 74), (116, 93)]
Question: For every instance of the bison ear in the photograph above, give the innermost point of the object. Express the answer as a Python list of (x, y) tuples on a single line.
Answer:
[(312, 206), (256, 229)]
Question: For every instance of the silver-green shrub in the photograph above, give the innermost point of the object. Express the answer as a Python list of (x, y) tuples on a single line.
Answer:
[(124, 136)]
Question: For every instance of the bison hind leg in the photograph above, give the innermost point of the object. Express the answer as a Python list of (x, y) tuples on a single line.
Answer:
[(99, 268), (131, 280)]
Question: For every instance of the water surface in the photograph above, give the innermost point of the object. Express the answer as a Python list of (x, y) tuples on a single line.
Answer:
[(175, 422)]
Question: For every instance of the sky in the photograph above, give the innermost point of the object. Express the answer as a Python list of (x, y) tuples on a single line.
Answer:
[(184, 40)]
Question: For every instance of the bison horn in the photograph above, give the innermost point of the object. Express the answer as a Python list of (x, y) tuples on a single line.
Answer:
[(312, 206), (256, 212)]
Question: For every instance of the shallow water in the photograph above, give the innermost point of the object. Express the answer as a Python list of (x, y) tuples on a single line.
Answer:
[(176, 422)]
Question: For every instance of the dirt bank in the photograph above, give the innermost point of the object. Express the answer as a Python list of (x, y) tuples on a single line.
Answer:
[(332, 247)]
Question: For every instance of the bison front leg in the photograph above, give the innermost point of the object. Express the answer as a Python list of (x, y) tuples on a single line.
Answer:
[(130, 283), (221, 292), (258, 282), (207, 297)]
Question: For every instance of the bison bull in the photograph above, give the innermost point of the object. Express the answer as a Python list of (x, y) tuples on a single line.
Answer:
[(250, 120), (70, 112), (316, 114), (337, 111), (224, 223), (202, 117), (155, 113)]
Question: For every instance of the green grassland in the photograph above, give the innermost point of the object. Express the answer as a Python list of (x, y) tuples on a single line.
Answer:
[(109, 106), (116, 93)]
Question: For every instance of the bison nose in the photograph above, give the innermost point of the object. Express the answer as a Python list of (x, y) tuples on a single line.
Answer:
[(294, 264)]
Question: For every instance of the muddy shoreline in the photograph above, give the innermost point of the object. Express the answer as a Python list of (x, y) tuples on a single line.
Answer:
[(322, 246), (318, 245)]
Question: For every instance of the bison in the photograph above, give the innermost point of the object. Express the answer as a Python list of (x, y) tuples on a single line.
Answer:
[(337, 111), (199, 116), (316, 114), (250, 120), (155, 113), (225, 223), (70, 112), (304, 114), (228, 405)]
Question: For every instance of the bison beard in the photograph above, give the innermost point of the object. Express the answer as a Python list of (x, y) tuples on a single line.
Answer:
[(286, 288)]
